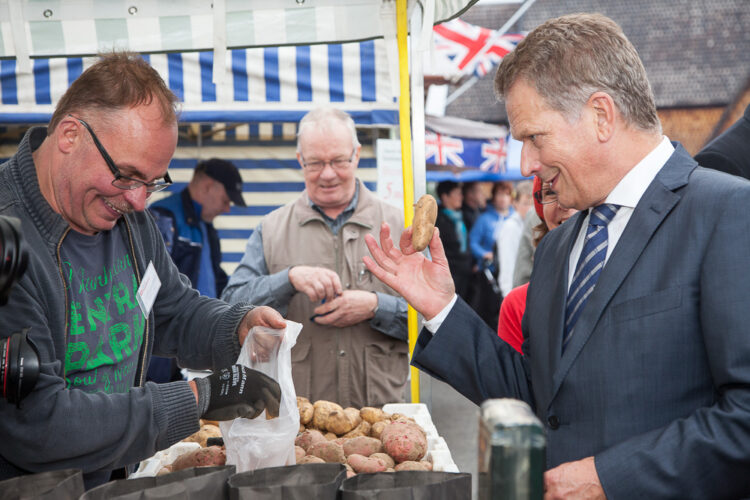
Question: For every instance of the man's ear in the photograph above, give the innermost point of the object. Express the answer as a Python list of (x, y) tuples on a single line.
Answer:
[(604, 110), (68, 134), (299, 160)]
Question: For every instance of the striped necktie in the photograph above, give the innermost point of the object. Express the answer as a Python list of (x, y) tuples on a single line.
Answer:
[(590, 265)]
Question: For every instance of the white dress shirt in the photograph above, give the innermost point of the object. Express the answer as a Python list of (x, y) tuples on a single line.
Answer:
[(627, 193)]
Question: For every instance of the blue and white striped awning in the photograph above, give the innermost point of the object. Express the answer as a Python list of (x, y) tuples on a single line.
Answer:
[(272, 84)]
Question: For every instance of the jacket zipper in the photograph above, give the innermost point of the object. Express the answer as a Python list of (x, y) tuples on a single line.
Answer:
[(140, 374), (65, 294)]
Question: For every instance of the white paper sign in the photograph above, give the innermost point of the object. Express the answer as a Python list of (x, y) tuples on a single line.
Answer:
[(390, 179), (149, 287)]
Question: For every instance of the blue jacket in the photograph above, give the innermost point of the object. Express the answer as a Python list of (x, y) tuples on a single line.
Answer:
[(482, 235), (180, 226)]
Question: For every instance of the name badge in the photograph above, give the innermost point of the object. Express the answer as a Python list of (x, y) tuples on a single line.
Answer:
[(148, 289)]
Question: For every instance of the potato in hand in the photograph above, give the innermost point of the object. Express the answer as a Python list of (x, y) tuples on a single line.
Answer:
[(425, 215)]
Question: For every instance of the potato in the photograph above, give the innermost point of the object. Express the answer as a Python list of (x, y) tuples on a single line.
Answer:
[(425, 215), (377, 428), (205, 432), (411, 465), (366, 464), (308, 438), (330, 436), (164, 470), (306, 410), (362, 429), (329, 451), (299, 452), (321, 410), (362, 445), (385, 458), (341, 422), (213, 455), (372, 415), (404, 441), (311, 459), (349, 471)]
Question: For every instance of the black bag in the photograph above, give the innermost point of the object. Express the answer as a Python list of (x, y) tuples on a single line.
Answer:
[(293, 482), (66, 484), (196, 483), (408, 485)]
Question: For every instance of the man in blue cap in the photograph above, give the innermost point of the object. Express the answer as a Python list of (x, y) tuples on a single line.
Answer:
[(185, 219)]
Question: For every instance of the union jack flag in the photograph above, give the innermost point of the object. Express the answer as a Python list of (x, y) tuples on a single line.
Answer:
[(494, 153), (473, 49), (443, 150)]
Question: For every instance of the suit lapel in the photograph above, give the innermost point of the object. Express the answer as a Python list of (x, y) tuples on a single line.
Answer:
[(653, 207)]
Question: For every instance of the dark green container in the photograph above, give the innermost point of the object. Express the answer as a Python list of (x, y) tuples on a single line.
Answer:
[(511, 451)]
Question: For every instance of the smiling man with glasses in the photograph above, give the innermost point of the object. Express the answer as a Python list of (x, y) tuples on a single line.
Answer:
[(101, 293), (305, 259)]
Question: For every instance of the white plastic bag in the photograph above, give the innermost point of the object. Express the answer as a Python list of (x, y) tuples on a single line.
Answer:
[(258, 443)]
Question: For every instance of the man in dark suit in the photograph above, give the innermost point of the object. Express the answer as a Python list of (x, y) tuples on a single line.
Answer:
[(730, 152), (636, 341)]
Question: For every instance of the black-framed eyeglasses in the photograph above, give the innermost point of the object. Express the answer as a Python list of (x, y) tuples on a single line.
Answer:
[(545, 196), (336, 163), (123, 181)]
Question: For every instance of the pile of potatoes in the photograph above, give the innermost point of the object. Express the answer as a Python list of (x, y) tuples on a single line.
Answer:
[(203, 457), (364, 440)]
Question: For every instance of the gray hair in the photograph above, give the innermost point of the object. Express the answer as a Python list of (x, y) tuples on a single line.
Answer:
[(569, 58), (321, 117), (523, 188)]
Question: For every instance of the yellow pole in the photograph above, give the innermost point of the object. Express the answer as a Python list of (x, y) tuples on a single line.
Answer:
[(404, 108)]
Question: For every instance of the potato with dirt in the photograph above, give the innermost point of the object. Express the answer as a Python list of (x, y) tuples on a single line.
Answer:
[(423, 225), (362, 445), (299, 452), (306, 410), (404, 441), (389, 462), (341, 422), (372, 415), (321, 411), (212, 455), (412, 465), (308, 438), (329, 451), (377, 428), (363, 429), (366, 465), (205, 432), (310, 459)]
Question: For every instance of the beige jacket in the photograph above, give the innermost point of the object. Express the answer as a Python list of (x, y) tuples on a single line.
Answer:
[(353, 366)]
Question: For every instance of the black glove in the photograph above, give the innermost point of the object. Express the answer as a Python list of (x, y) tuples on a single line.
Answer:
[(237, 391)]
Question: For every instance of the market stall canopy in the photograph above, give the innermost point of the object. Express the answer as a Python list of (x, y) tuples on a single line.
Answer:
[(272, 84)]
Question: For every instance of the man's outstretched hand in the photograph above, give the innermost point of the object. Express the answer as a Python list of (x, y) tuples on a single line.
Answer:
[(425, 284), (237, 391)]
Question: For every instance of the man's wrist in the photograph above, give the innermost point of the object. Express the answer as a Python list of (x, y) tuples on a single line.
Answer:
[(374, 310)]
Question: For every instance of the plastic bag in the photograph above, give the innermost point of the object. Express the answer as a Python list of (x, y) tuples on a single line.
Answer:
[(258, 443)]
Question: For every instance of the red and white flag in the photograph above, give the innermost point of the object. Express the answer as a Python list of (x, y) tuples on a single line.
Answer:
[(462, 49)]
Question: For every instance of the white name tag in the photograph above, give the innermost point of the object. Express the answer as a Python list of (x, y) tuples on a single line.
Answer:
[(148, 289)]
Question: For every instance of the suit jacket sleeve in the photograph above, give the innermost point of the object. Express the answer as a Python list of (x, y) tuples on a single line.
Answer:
[(469, 356), (706, 454)]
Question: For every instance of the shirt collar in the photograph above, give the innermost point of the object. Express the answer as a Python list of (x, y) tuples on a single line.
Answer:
[(628, 192)]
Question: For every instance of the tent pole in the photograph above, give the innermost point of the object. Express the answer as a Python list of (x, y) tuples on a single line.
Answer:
[(404, 105)]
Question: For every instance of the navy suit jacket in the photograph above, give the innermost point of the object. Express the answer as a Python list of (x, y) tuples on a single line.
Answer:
[(655, 382)]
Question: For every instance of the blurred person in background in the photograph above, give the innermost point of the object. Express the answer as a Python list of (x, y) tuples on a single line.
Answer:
[(509, 235), (551, 215), (452, 227), (474, 203), (486, 302)]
